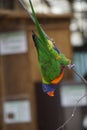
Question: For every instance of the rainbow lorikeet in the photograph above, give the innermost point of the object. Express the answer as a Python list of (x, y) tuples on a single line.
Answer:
[(51, 61)]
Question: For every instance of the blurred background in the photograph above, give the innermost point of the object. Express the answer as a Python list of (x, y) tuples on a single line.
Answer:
[(23, 105)]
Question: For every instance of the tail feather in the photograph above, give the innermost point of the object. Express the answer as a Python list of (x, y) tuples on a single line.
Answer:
[(40, 30)]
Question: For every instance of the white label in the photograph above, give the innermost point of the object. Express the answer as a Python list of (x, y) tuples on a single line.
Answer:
[(13, 43), (17, 112), (71, 94)]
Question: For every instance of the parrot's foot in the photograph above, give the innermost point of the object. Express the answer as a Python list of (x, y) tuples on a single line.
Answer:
[(70, 66)]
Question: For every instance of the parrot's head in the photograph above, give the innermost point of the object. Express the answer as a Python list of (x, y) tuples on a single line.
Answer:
[(49, 89)]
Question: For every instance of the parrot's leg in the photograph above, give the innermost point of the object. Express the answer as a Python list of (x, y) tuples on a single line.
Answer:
[(72, 66), (77, 73)]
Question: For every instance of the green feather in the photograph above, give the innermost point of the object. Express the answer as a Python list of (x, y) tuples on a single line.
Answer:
[(50, 67), (42, 35), (50, 60)]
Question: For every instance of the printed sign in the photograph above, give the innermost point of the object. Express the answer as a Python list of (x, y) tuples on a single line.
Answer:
[(13, 43), (17, 111), (71, 94)]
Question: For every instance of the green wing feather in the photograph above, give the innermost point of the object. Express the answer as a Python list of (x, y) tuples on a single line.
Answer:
[(42, 34), (50, 67)]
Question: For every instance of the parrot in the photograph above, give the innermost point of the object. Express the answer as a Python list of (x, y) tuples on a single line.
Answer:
[(50, 60)]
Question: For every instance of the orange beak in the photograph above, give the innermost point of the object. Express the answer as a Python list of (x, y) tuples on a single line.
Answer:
[(51, 94)]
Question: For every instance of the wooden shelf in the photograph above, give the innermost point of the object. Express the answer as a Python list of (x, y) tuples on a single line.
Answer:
[(12, 14), (22, 14)]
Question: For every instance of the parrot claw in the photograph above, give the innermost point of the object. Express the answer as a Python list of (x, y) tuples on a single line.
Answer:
[(70, 66)]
